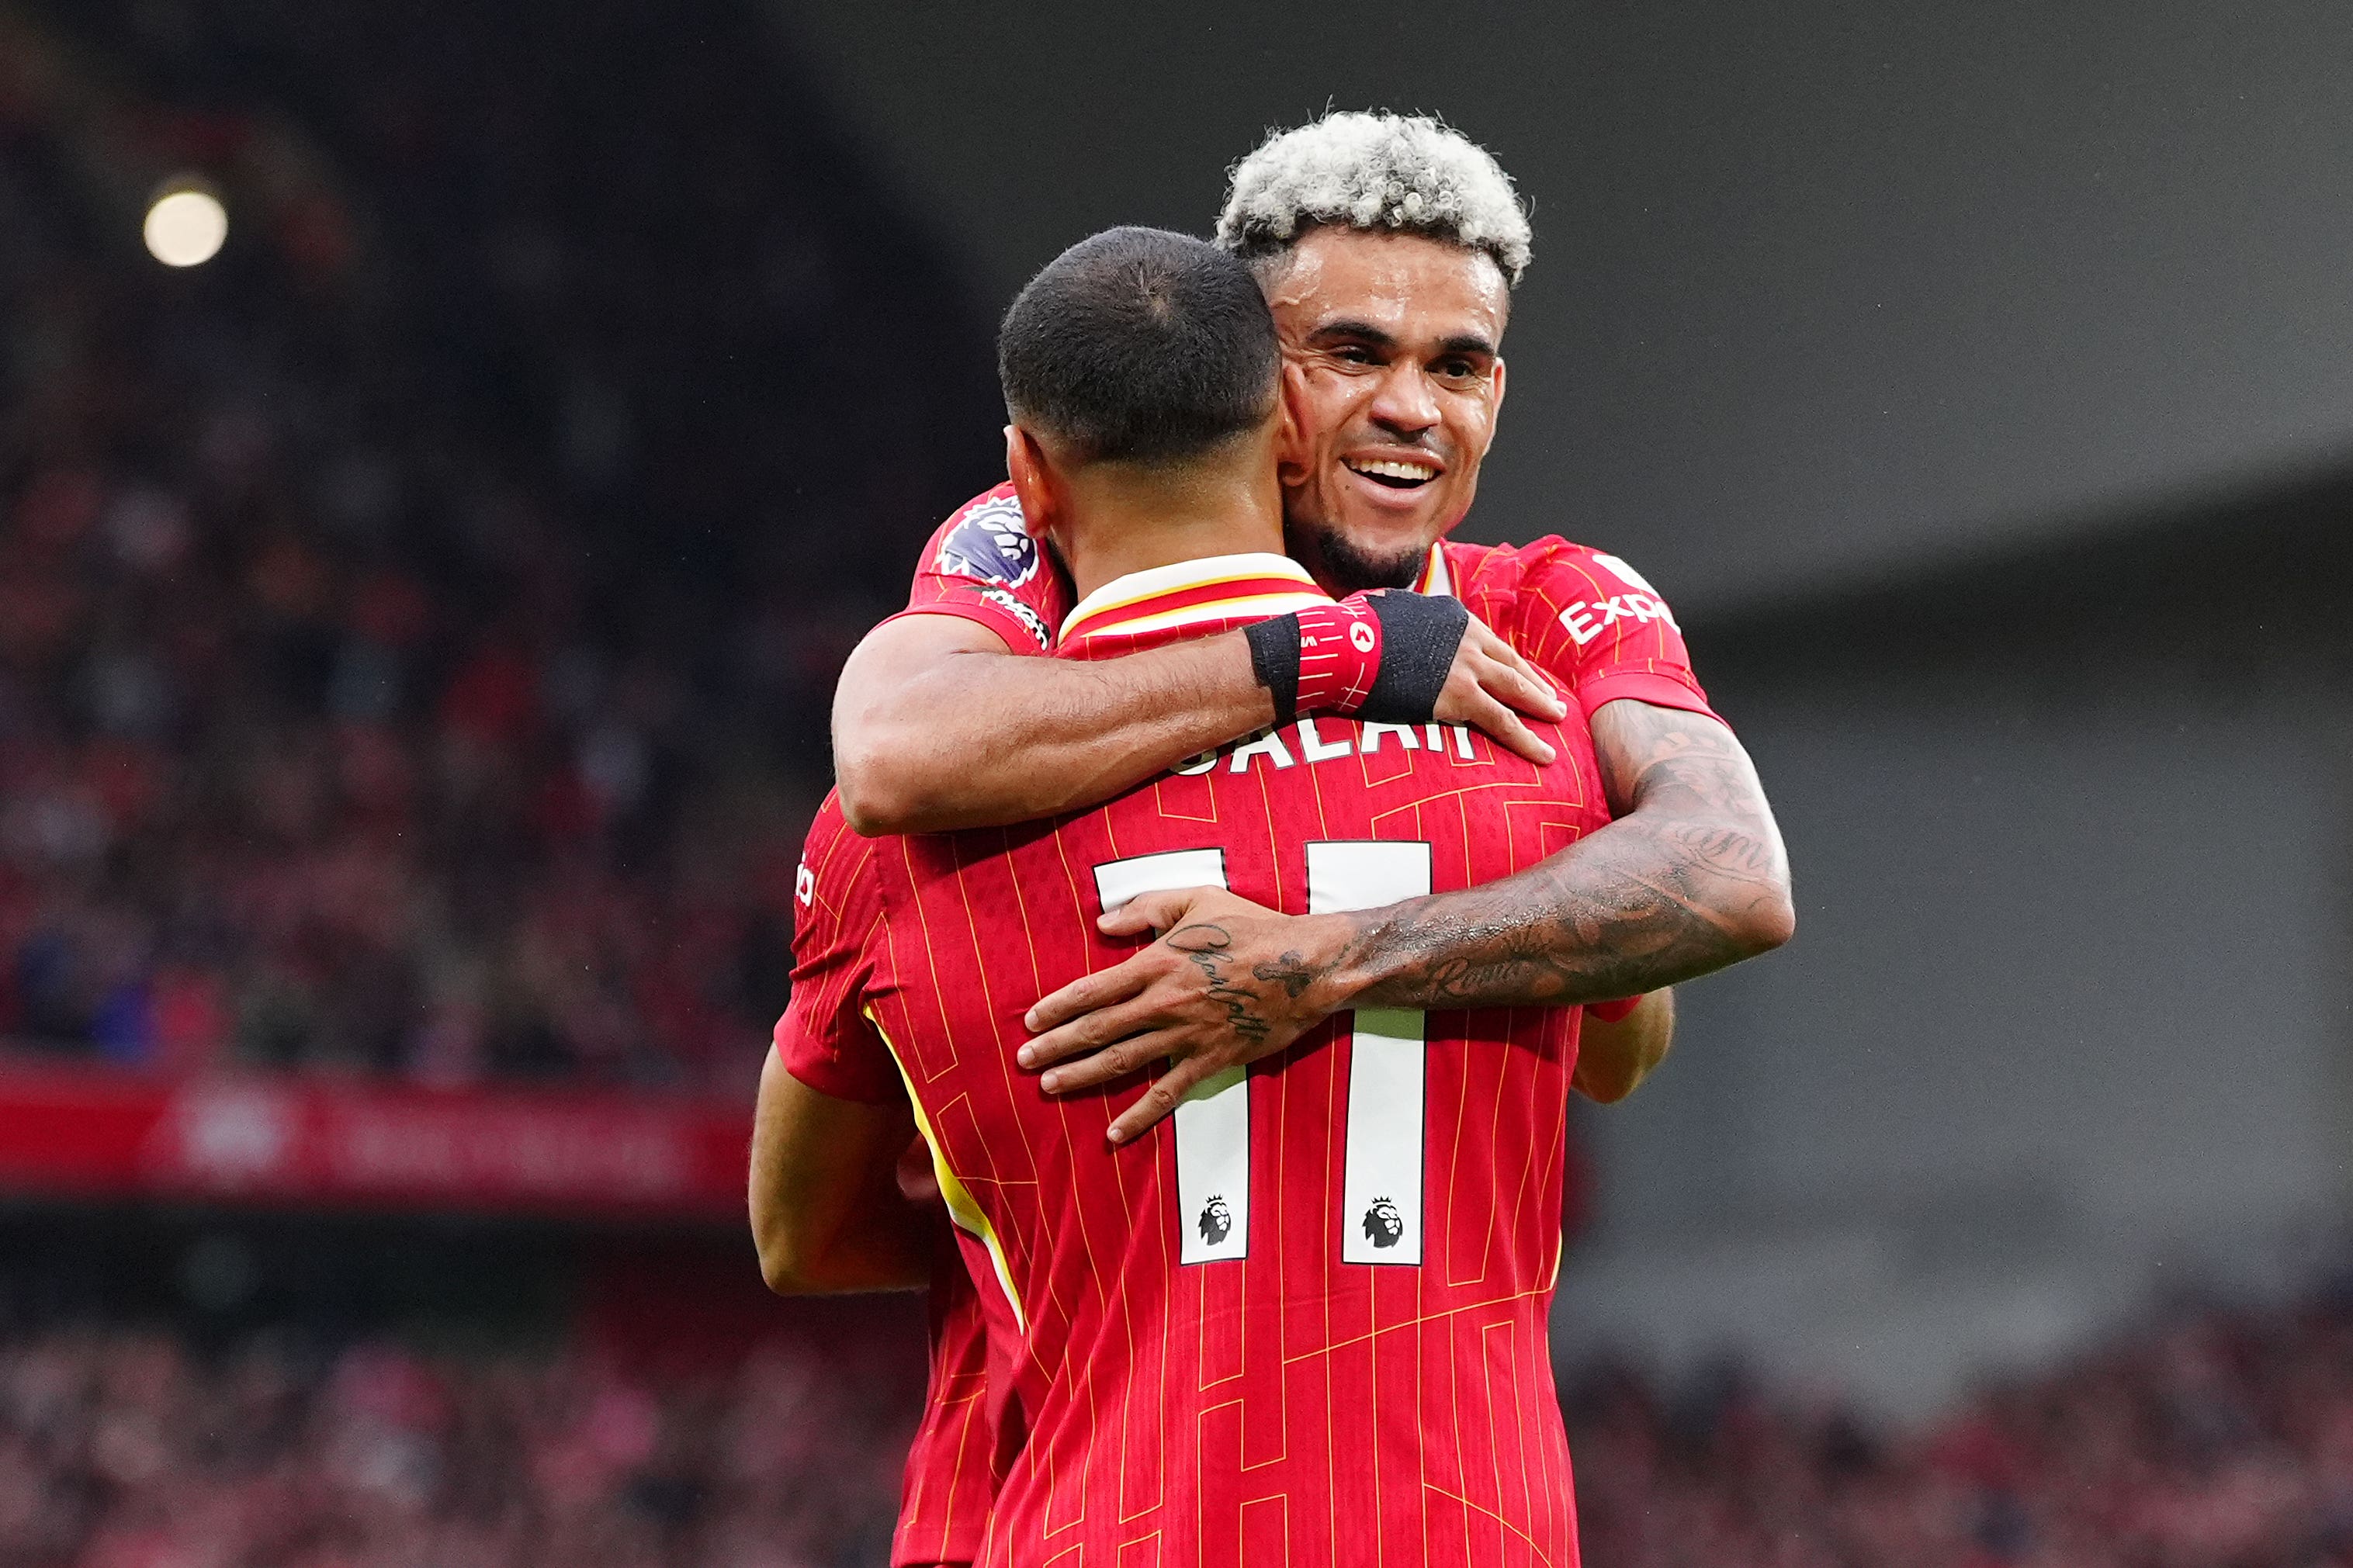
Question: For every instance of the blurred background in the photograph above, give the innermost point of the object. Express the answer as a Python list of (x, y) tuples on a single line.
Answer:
[(446, 452)]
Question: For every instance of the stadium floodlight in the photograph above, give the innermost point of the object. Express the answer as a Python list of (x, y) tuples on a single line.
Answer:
[(186, 224)]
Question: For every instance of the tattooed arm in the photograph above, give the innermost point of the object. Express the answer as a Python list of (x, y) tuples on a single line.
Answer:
[(1690, 878)]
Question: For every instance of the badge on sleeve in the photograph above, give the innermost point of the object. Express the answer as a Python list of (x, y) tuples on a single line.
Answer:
[(990, 544)]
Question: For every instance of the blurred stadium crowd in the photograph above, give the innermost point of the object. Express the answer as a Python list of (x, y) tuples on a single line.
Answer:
[(124, 1449), (2219, 1439), (2216, 1439), (416, 626), (416, 633)]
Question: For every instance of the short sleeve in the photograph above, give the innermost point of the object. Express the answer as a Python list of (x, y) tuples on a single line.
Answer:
[(824, 1038), (1600, 628), (982, 565)]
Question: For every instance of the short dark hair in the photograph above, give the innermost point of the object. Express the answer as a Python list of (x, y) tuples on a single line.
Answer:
[(1139, 345)]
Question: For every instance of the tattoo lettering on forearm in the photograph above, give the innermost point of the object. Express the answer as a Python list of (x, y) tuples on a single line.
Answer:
[(1729, 851), (1206, 945), (1689, 879)]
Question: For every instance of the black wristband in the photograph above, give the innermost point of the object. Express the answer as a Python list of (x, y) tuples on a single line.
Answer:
[(1419, 636), (1274, 659)]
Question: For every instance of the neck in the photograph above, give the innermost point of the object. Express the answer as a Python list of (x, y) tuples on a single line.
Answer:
[(1126, 520)]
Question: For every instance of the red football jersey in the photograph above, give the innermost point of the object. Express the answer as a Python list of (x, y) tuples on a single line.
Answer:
[(1584, 615), (949, 1483), (1305, 1317)]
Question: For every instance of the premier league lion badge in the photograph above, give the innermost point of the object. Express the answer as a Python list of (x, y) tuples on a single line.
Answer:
[(991, 544), (1217, 1221), (1384, 1225)]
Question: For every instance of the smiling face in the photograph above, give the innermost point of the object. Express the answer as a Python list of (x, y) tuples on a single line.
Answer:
[(1393, 368)]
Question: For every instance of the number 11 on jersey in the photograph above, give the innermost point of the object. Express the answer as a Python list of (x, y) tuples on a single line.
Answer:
[(1380, 1188), (1380, 1202)]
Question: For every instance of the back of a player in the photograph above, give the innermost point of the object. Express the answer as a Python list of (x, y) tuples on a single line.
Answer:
[(1304, 1319)]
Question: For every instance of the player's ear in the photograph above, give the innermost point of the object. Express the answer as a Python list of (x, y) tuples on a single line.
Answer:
[(1033, 481), (1291, 456)]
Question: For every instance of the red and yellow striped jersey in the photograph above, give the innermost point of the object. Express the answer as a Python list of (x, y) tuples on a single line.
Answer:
[(1586, 617), (1303, 1320)]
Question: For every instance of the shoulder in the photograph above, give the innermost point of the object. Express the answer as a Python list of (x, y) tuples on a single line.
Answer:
[(1558, 577), (986, 540), (981, 565), (1504, 568), (1546, 563)]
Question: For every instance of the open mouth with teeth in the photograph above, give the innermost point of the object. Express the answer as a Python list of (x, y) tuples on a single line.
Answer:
[(1392, 473)]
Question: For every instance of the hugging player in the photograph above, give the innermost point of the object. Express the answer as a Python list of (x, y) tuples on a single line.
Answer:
[(1306, 1314), (1386, 249)]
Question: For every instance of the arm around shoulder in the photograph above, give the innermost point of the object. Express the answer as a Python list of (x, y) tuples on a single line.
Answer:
[(938, 726), (884, 708)]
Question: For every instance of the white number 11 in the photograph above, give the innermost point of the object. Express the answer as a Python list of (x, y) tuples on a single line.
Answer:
[(1381, 1207)]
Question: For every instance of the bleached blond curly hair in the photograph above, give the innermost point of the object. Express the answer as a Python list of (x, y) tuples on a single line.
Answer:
[(1405, 174)]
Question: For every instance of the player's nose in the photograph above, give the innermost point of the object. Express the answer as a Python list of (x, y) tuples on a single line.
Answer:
[(1404, 404)]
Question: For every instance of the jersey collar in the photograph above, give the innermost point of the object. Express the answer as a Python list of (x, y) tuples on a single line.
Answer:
[(1435, 578), (1217, 588)]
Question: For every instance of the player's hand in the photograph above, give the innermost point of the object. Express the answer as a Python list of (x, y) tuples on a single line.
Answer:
[(1228, 981), (1488, 681)]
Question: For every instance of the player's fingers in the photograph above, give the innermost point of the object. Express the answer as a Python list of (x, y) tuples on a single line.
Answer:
[(1465, 701), (1525, 685), (1147, 912), (1480, 638), (1085, 994), (1093, 1031), (1518, 682), (1505, 725), (1113, 1062), (1511, 679), (1168, 1092)]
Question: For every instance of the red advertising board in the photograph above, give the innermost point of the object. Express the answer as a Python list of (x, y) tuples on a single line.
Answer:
[(83, 1131)]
